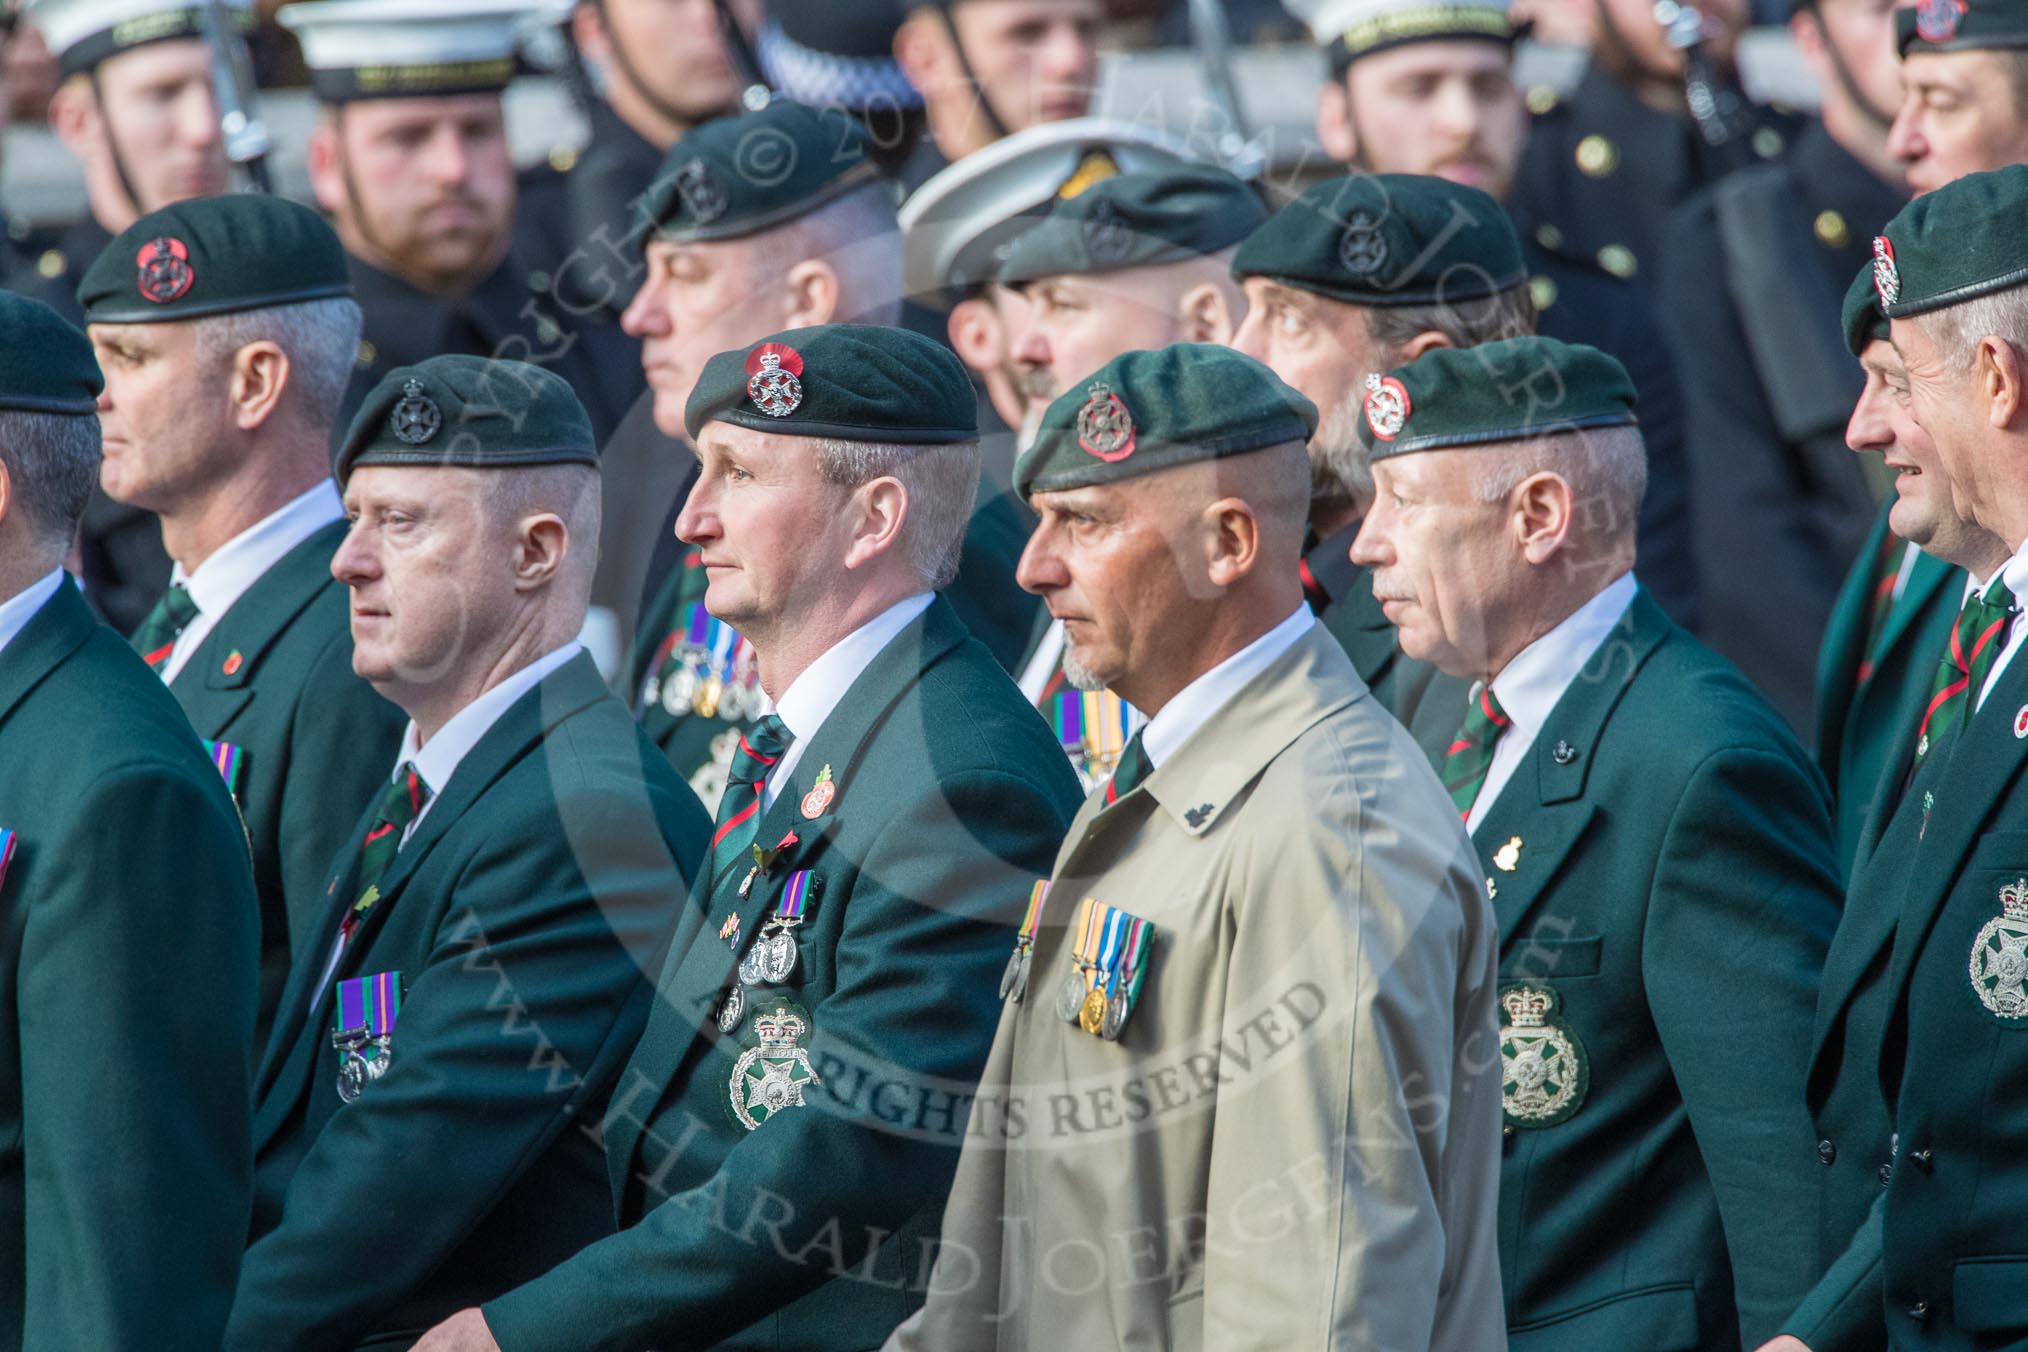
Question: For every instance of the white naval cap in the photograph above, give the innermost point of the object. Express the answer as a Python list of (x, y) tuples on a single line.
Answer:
[(366, 49), (83, 33), (1349, 29), (956, 227)]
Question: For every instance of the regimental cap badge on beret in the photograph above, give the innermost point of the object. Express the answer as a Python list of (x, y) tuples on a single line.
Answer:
[(1362, 248), (1387, 406), (701, 195), (165, 271), (1886, 276), (774, 379), (416, 418), (1104, 426), (1108, 239), (1937, 20)]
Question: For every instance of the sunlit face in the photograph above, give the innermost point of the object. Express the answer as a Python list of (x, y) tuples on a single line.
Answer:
[(1443, 562), (1110, 561), (427, 182), (431, 571), (1861, 33), (1447, 109), (1959, 115), (162, 414), (158, 114), (1943, 402), (1076, 324), (772, 533), (1323, 349), (1883, 424), (1035, 60), (699, 299)]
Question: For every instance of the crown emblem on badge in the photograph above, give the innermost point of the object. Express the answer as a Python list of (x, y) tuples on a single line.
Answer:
[(416, 417), (1886, 276), (1387, 406), (1937, 20), (780, 1029), (2014, 900), (1104, 426), (774, 379), (1527, 1007), (166, 273), (699, 192), (1362, 248)]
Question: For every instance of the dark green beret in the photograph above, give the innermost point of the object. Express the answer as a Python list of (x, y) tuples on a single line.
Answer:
[(1512, 390), (46, 364), (1860, 318), (1137, 220), (1961, 26), (471, 413), (1961, 241), (849, 382), (214, 256), (1147, 411), (740, 175), (1388, 239)]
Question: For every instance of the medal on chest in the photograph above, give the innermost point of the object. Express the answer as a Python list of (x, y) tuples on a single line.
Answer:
[(1544, 1074), (2000, 956), (771, 1077)]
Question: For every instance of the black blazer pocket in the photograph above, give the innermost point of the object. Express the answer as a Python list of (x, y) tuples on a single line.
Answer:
[(1990, 1295)]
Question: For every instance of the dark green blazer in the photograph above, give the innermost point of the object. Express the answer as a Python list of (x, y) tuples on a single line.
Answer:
[(274, 678), (127, 964), (1661, 861), (1428, 703), (523, 915), (1862, 726), (950, 798)]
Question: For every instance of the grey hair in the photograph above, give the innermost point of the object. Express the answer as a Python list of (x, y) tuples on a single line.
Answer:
[(1606, 468), (942, 483), (321, 338), (1467, 323), (1957, 329), (858, 235), (52, 462)]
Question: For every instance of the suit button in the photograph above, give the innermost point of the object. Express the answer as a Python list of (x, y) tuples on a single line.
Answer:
[(1919, 1310), (1922, 1160), (1886, 1174), (1507, 1132), (1827, 1152)]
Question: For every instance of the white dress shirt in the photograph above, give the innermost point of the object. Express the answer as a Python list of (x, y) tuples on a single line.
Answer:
[(812, 696), (17, 610), (1194, 705), (243, 560), (2014, 572), (1531, 684)]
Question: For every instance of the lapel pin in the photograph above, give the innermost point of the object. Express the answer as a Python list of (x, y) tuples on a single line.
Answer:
[(1508, 855), (1196, 815), (820, 795), (234, 661), (1928, 802), (729, 931), (1492, 888), (2021, 722), (1563, 753)]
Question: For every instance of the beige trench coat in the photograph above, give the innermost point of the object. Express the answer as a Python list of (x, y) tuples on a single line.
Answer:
[(1295, 1142)]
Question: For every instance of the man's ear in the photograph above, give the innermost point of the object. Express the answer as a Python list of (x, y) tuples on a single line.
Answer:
[(812, 295), (881, 510), (922, 50), (978, 335), (588, 33), (1426, 341), (1544, 514), (74, 117), (1205, 315), (1334, 122), (321, 156), (260, 372), (1232, 541), (539, 553), (2001, 373)]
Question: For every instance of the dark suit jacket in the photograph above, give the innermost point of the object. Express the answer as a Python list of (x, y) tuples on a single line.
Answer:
[(128, 935), (1661, 861), (950, 799), (523, 914), (274, 678)]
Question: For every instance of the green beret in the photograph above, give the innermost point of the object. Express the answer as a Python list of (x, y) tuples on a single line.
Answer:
[(1147, 411), (214, 256), (1388, 239), (1860, 317), (740, 175), (849, 382), (1511, 390), (1137, 220), (471, 413), (1962, 241), (1961, 26), (46, 364)]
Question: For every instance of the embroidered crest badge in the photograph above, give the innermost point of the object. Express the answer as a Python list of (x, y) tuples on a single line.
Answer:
[(1886, 276), (1543, 1071), (1362, 248), (1937, 20), (774, 379), (2000, 955), (416, 417), (1387, 406), (770, 1078), (1104, 426), (699, 192), (166, 273)]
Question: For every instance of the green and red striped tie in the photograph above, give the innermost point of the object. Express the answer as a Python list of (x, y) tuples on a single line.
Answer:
[(400, 804), (1976, 642), (1886, 572), (156, 638), (760, 748), (1129, 770), (1471, 751)]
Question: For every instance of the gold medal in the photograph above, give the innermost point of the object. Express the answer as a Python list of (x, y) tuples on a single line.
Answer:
[(1091, 1015), (706, 703)]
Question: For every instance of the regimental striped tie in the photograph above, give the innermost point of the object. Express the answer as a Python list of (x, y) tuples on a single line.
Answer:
[(398, 808), (760, 748), (1976, 643), (1471, 751), (1132, 767), (1886, 572), (156, 638)]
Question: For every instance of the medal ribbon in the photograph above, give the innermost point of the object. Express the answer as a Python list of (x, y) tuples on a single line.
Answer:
[(1088, 924), (1031, 920), (226, 757), (795, 896), (1069, 720), (7, 839), (1115, 938), (369, 1004), (1133, 962)]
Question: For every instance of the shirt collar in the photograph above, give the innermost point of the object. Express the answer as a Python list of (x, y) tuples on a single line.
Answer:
[(2014, 572), (438, 759), (812, 696), (1531, 684), (1192, 706), (242, 561), (17, 610)]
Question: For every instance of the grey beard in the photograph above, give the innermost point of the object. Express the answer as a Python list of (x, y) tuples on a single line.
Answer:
[(1079, 675)]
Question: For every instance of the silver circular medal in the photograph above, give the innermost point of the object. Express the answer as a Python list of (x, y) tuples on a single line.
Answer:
[(680, 689), (779, 963), (351, 1075), (753, 967), (732, 703), (1007, 977), (1116, 1016), (1070, 996), (731, 1009)]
